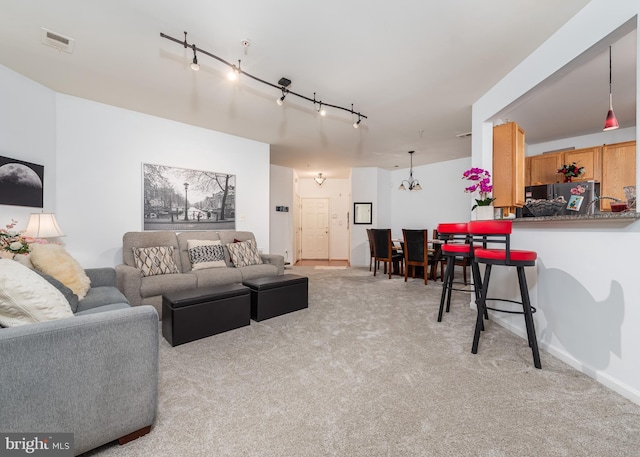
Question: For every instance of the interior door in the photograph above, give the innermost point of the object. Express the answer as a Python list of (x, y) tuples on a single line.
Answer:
[(315, 228)]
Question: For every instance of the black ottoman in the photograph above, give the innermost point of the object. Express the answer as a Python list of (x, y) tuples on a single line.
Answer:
[(276, 295), (196, 313)]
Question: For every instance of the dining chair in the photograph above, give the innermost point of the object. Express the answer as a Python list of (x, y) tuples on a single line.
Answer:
[(372, 251), (416, 247), (384, 252)]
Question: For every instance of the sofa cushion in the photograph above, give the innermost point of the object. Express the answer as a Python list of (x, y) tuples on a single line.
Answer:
[(244, 253), (258, 271), (217, 276), (156, 260), (26, 297), (205, 254), (68, 293), (157, 285), (55, 261), (101, 296)]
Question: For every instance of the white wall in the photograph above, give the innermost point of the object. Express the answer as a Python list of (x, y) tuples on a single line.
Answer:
[(101, 150), (585, 284), (368, 184), (28, 133), (585, 141), (338, 193), (281, 224), (442, 198)]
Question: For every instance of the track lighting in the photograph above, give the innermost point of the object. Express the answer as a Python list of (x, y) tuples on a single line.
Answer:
[(194, 64), (611, 123), (236, 71), (412, 184), (356, 124), (280, 100)]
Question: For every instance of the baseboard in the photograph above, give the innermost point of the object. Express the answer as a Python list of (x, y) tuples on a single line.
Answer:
[(603, 378)]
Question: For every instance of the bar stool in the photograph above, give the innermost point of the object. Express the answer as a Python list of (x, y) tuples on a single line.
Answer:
[(499, 232), (456, 244)]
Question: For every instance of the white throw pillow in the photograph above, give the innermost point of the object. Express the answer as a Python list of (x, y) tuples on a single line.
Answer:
[(26, 297), (55, 261), (205, 254)]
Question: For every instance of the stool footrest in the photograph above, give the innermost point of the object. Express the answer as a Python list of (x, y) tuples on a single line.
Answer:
[(533, 309)]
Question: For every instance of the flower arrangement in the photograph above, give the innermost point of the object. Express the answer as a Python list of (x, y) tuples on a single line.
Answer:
[(571, 170), (482, 184), (15, 242)]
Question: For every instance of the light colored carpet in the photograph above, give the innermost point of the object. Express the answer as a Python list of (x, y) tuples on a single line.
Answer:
[(367, 371)]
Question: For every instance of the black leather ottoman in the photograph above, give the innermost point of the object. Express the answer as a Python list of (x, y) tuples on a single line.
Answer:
[(276, 295), (196, 313)]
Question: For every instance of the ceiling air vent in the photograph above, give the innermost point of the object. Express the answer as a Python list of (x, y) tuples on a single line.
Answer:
[(55, 40), (463, 135)]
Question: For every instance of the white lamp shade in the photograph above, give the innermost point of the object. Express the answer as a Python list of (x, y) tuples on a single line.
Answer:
[(43, 225)]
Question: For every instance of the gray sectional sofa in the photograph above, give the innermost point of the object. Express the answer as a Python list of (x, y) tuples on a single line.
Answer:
[(148, 290), (94, 374)]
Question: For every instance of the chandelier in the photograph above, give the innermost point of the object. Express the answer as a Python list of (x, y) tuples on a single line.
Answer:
[(412, 184)]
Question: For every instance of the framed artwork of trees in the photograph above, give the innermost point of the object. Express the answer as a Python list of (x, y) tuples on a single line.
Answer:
[(182, 199)]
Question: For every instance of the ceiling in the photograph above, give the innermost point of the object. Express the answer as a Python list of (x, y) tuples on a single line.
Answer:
[(414, 70)]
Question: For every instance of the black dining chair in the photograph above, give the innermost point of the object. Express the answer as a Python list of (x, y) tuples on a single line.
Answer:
[(384, 252), (416, 252), (372, 259)]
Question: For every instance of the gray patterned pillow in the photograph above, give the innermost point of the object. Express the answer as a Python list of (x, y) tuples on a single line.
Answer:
[(244, 253), (157, 260), (205, 254)]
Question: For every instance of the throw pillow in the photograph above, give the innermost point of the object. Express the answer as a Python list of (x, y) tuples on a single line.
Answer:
[(157, 260), (244, 253), (26, 297), (205, 254), (53, 260), (64, 290)]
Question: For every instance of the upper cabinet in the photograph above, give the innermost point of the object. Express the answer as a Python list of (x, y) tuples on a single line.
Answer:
[(590, 159), (618, 171), (544, 168), (508, 166)]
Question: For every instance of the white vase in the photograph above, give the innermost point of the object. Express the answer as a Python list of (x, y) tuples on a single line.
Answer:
[(484, 213)]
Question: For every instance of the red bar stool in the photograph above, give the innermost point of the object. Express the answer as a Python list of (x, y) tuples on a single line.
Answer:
[(490, 233), (456, 245)]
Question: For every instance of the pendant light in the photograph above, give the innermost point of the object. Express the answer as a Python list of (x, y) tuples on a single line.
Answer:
[(611, 123), (412, 184)]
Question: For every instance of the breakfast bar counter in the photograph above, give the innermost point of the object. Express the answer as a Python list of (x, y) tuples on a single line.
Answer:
[(629, 216)]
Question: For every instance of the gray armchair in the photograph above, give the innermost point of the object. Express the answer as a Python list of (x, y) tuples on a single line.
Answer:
[(94, 375)]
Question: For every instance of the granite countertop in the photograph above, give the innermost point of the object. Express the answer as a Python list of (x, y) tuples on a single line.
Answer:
[(624, 215)]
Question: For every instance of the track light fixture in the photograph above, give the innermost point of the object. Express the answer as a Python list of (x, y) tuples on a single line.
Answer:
[(610, 123), (194, 64), (412, 184), (280, 100), (236, 71)]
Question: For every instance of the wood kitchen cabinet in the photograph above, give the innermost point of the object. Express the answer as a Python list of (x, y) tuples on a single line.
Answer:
[(544, 168), (590, 159), (508, 166), (618, 171)]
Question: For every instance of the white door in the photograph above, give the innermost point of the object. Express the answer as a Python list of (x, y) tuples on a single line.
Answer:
[(315, 228)]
